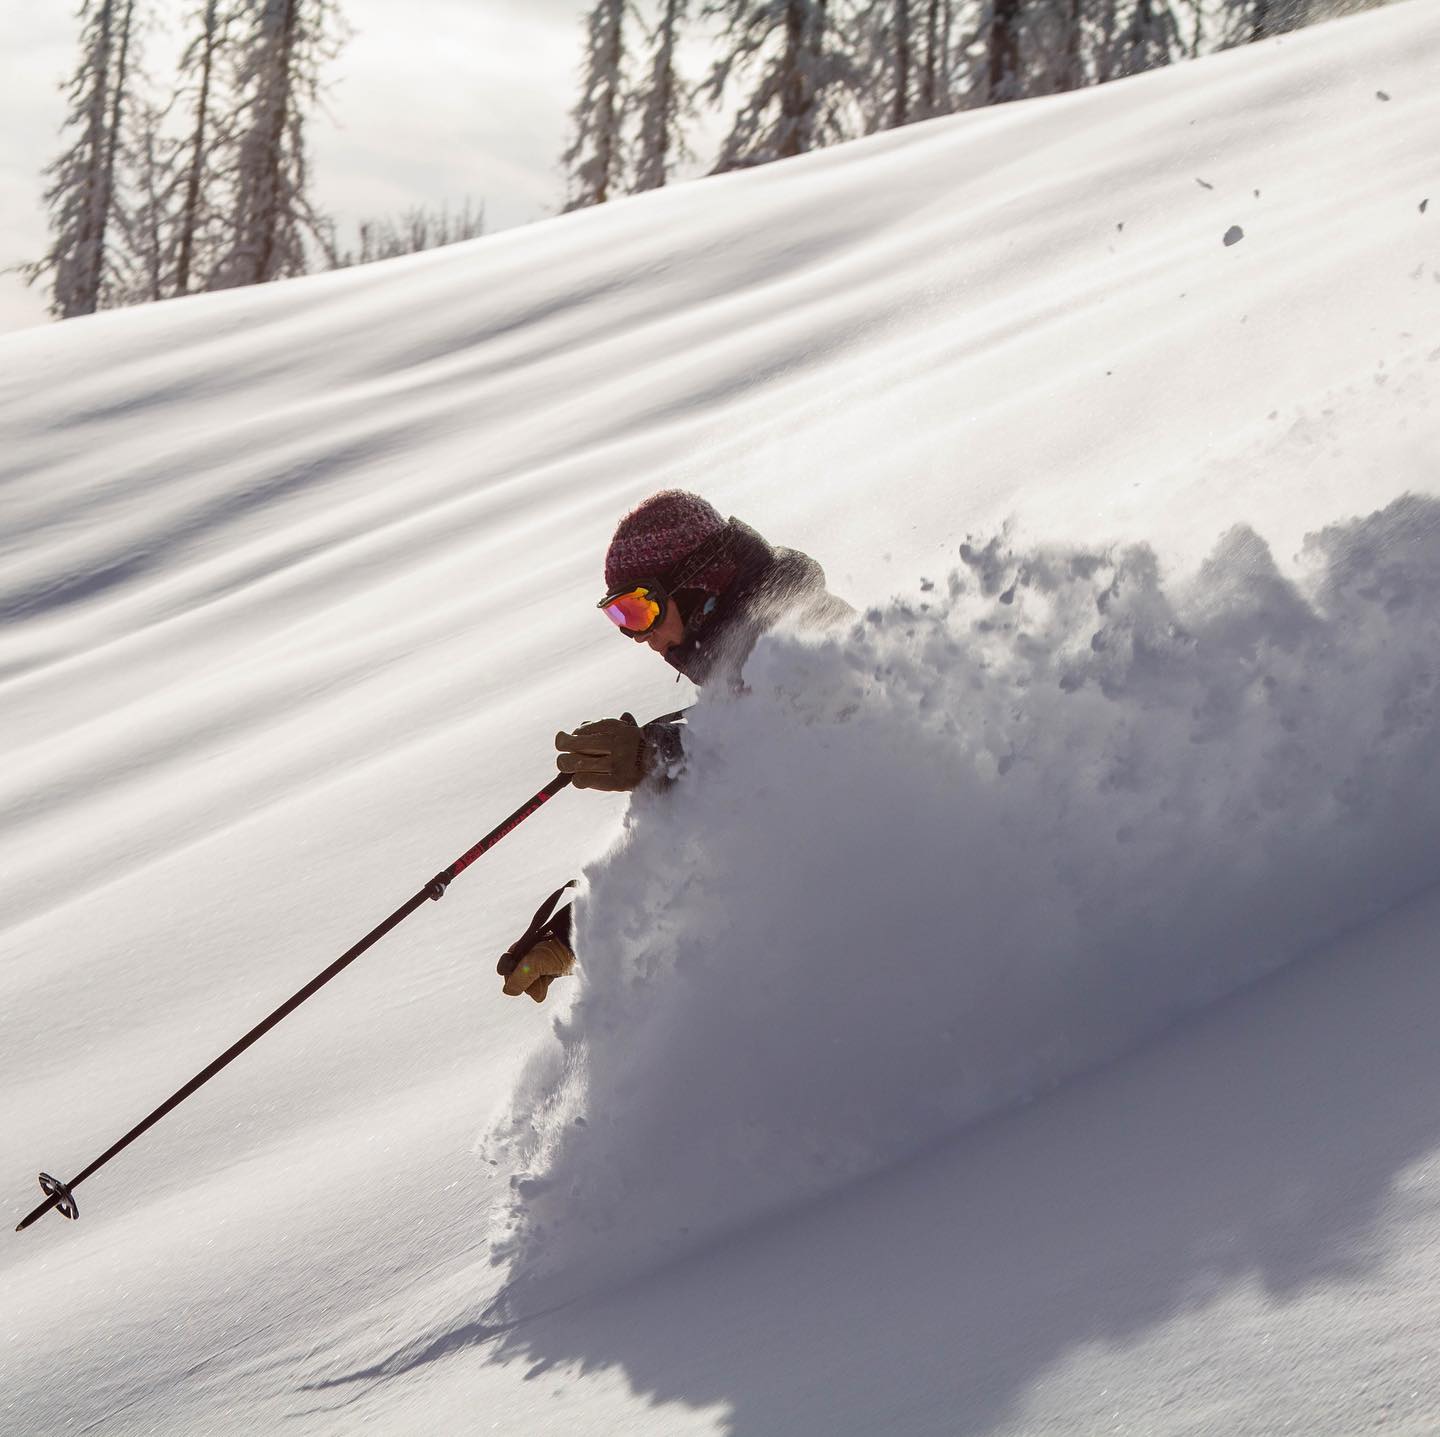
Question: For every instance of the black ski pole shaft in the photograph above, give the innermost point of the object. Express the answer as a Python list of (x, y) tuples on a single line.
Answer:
[(61, 1194)]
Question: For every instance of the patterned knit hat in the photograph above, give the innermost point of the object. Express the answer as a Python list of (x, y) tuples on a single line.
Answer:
[(652, 540)]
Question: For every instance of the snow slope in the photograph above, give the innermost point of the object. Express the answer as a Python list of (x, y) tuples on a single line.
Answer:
[(298, 584)]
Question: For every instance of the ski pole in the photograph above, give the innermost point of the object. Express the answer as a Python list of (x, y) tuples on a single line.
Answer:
[(61, 1196)]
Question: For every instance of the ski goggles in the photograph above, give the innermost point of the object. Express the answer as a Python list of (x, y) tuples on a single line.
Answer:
[(636, 609)]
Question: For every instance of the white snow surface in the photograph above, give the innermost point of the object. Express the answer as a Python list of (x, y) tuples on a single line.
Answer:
[(1016, 1018)]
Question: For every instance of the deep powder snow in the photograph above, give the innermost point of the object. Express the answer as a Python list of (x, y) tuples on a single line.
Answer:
[(926, 868)]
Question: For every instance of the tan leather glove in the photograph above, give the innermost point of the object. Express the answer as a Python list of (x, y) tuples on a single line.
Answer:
[(611, 754), (534, 971)]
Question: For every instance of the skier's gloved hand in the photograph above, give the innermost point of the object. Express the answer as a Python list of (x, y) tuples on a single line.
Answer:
[(611, 754), (532, 970)]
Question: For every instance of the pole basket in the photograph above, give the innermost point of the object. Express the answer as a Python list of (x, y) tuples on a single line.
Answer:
[(64, 1198)]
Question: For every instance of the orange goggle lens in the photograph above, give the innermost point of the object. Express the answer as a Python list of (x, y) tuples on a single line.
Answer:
[(637, 611)]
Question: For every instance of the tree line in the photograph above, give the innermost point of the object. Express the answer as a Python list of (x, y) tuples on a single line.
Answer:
[(788, 76), (209, 186)]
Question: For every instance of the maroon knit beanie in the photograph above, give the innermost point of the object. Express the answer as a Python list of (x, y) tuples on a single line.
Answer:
[(652, 540)]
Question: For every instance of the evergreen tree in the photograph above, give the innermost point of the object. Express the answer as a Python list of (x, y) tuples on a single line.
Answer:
[(595, 160), (798, 75), (282, 47), (665, 103), (82, 197)]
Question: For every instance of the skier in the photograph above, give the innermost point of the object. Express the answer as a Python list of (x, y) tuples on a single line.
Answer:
[(699, 590)]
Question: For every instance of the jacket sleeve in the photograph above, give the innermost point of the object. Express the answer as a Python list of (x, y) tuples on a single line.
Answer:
[(665, 742)]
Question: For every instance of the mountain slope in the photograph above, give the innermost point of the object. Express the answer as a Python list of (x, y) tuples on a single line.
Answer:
[(299, 582)]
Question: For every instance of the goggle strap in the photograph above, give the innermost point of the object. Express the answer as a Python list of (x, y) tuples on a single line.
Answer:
[(698, 562)]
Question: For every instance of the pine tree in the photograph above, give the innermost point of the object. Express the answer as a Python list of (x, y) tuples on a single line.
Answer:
[(799, 78), (283, 45), (595, 160), (665, 104), (83, 195)]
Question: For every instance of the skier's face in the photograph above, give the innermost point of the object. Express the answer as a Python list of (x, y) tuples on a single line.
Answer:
[(666, 634)]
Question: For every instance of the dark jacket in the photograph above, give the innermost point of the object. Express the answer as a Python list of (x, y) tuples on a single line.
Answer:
[(770, 585)]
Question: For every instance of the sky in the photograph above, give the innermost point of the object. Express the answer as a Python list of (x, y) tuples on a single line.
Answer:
[(433, 102)]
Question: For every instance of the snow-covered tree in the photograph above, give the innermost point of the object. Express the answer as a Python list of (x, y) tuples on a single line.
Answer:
[(82, 197), (595, 159), (282, 47), (664, 103)]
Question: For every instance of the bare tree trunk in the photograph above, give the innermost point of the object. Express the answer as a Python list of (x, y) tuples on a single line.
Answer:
[(793, 99), (1073, 77), (104, 192), (900, 107), (190, 215), (1004, 56), (1105, 53), (106, 114), (89, 236), (930, 74), (275, 140)]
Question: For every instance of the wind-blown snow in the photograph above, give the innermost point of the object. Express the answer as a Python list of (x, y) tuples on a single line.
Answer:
[(299, 582), (933, 867)]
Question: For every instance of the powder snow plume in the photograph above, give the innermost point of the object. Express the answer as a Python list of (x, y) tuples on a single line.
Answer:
[(929, 867)]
